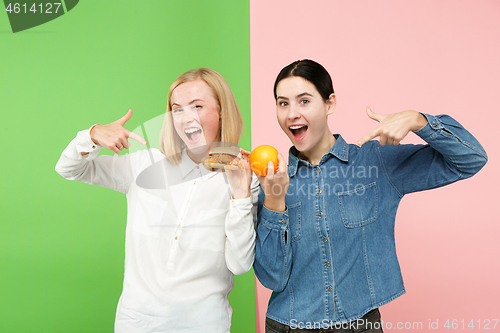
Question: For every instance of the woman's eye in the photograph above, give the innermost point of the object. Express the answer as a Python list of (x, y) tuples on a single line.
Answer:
[(198, 106), (179, 110), (282, 104), (304, 101)]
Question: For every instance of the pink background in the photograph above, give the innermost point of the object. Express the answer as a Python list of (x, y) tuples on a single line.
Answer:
[(431, 56)]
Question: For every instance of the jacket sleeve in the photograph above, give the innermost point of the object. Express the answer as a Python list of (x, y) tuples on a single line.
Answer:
[(452, 154), (240, 231), (273, 252), (79, 161)]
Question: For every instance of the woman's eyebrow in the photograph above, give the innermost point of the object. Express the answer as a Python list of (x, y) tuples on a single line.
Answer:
[(303, 94), (194, 100), (298, 96)]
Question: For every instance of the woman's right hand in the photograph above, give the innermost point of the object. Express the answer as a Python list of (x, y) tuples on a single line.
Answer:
[(114, 136), (275, 185)]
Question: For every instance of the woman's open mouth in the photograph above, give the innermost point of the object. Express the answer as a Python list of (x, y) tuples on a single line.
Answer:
[(193, 134), (298, 131)]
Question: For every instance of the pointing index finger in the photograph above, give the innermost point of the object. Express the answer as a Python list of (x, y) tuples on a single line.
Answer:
[(137, 138), (373, 134)]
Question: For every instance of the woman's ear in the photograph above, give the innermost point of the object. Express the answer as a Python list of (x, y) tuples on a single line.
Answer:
[(331, 103)]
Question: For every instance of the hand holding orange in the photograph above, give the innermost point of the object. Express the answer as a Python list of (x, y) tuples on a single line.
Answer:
[(260, 157)]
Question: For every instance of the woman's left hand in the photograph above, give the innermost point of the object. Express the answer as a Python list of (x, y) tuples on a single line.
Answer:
[(394, 127), (240, 181)]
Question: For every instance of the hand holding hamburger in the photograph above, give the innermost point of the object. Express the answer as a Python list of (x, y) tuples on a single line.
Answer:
[(221, 159), (234, 162)]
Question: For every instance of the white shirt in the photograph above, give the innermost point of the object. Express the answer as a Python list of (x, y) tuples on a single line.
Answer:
[(185, 237)]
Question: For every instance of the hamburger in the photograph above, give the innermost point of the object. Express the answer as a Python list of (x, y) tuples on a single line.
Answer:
[(220, 158)]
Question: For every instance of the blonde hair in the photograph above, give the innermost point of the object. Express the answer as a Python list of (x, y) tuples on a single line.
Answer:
[(231, 122)]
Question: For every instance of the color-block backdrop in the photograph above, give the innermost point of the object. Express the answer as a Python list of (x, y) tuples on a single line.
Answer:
[(431, 56), (61, 242)]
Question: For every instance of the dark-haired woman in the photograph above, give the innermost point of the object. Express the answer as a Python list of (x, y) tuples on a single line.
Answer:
[(325, 237)]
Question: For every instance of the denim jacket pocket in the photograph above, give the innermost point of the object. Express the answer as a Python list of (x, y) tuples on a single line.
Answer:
[(295, 213), (359, 207)]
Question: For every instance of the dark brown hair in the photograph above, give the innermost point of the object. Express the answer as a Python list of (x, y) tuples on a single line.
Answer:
[(312, 72)]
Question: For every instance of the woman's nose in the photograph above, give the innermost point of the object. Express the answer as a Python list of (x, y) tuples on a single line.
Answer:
[(189, 115), (293, 112)]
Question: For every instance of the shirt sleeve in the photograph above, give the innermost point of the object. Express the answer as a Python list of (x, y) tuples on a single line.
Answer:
[(273, 251), (452, 154), (79, 161), (240, 231)]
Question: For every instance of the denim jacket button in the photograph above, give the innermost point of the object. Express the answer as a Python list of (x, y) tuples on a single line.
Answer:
[(319, 191), (327, 264), (330, 288), (318, 170), (320, 214), (325, 239), (283, 221)]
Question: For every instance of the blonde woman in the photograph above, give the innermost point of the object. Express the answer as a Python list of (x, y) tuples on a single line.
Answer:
[(188, 229)]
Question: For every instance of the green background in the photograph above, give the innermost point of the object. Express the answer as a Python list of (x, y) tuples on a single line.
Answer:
[(61, 242)]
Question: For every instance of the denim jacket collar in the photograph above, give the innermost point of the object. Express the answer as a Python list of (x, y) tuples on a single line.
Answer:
[(340, 150)]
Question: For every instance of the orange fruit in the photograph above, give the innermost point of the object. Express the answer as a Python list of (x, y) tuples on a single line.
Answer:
[(259, 158)]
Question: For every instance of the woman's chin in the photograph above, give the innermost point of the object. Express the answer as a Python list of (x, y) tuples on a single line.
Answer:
[(198, 149), (300, 145)]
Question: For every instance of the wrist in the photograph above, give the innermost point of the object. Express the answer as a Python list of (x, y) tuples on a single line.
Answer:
[(420, 121), (276, 205), (92, 132), (240, 194)]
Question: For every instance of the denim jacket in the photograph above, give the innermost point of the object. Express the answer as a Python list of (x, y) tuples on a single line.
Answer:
[(331, 257)]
